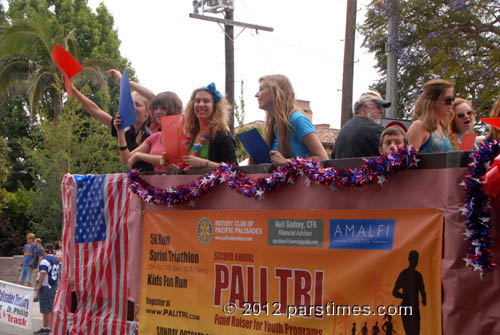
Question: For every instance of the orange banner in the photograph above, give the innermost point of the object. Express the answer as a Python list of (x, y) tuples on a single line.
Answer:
[(304, 272)]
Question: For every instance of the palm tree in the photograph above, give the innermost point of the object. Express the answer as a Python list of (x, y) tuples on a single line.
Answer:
[(27, 69)]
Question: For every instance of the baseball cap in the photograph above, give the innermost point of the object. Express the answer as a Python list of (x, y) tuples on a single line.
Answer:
[(372, 96)]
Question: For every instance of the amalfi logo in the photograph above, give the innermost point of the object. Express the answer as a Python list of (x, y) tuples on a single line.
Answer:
[(374, 234), (204, 230)]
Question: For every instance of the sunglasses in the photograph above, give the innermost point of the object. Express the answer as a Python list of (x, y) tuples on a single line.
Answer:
[(448, 100), (378, 106), (462, 115)]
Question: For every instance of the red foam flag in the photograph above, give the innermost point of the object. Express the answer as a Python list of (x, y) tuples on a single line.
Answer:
[(67, 64), (468, 141), (172, 128), (491, 184), (492, 121)]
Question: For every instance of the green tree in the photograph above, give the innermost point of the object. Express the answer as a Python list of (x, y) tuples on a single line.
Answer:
[(27, 66), (15, 221), (72, 144), (15, 125), (239, 115), (451, 39), (42, 148), (14, 209), (4, 172)]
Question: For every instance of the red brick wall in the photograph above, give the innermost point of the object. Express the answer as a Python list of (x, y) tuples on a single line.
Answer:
[(10, 267)]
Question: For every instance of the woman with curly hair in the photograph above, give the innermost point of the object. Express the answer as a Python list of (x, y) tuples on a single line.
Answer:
[(428, 132), (495, 112), (288, 131), (461, 122), (208, 138)]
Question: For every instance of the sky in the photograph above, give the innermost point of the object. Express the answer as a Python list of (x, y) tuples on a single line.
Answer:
[(172, 52)]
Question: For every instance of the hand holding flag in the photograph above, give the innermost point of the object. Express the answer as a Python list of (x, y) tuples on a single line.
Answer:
[(172, 128), (126, 107), (67, 64)]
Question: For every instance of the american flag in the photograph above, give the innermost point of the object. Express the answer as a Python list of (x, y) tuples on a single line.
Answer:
[(96, 252)]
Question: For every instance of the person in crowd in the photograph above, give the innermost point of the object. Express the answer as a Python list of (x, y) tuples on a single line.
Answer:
[(208, 138), (391, 139), (494, 133), (59, 251), (144, 91), (38, 255), (288, 132), (25, 276), (428, 131), (134, 135), (59, 256), (47, 285), (461, 122), (151, 150), (360, 136)]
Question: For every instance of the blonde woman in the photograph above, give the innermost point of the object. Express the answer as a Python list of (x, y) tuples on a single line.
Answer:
[(135, 135), (461, 122), (208, 138), (288, 131), (428, 132), (152, 149)]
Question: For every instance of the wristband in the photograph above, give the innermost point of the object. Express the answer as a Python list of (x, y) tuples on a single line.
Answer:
[(122, 147)]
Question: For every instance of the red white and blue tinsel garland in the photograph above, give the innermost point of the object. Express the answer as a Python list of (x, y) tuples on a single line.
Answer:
[(476, 209), (377, 169)]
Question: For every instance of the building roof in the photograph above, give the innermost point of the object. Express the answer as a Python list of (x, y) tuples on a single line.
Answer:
[(327, 135), (253, 124)]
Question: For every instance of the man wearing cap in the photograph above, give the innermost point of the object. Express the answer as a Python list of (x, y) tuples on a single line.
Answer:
[(360, 136)]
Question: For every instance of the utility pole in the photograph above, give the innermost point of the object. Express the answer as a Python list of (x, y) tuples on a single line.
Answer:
[(392, 61), (229, 46), (347, 81), (226, 7)]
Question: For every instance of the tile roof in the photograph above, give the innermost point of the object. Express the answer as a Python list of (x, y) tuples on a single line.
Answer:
[(326, 134)]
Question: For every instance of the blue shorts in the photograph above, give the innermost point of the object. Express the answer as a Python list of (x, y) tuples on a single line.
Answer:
[(46, 296), (26, 274)]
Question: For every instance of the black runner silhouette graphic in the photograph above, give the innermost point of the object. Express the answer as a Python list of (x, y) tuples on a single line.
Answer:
[(408, 285)]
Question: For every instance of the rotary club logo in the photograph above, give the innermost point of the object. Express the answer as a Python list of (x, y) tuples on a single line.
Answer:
[(204, 230)]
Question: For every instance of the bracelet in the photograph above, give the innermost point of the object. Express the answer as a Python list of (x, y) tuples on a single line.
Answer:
[(207, 163), (122, 147)]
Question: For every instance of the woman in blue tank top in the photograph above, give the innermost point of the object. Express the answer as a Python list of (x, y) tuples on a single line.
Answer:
[(428, 132), (288, 131)]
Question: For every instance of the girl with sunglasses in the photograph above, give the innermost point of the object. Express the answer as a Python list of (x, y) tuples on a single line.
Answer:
[(462, 121), (428, 131)]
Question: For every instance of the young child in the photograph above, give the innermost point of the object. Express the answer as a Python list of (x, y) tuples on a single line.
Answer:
[(391, 138)]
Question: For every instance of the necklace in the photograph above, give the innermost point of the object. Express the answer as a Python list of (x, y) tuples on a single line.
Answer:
[(198, 143)]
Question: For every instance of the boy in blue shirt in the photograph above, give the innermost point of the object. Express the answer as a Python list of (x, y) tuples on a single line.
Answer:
[(47, 285)]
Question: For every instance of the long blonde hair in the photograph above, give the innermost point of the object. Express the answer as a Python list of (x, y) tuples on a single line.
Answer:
[(141, 132), (495, 112), (218, 121), (452, 129), (424, 108), (278, 121)]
